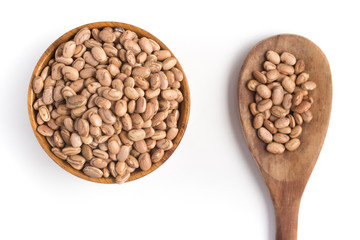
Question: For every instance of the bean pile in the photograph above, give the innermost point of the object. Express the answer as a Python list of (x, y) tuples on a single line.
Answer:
[(108, 101), (282, 101)]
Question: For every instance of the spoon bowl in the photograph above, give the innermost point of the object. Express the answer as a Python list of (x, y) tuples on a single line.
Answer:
[(286, 174)]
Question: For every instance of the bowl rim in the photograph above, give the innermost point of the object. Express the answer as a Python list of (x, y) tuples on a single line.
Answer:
[(184, 107)]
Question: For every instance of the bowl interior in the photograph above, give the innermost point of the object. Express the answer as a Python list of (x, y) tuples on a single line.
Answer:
[(184, 107)]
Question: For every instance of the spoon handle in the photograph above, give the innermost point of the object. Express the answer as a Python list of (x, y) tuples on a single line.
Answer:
[(286, 220), (286, 197)]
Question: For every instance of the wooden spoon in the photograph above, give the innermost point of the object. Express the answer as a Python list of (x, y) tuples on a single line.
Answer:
[(286, 175)]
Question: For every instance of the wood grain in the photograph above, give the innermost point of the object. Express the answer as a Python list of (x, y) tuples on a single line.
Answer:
[(286, 175), (184, 107)]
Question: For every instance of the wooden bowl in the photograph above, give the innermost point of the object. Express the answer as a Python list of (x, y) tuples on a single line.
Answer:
[(184, 107)]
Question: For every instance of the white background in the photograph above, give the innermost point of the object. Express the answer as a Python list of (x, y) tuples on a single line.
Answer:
[(210, 188)]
